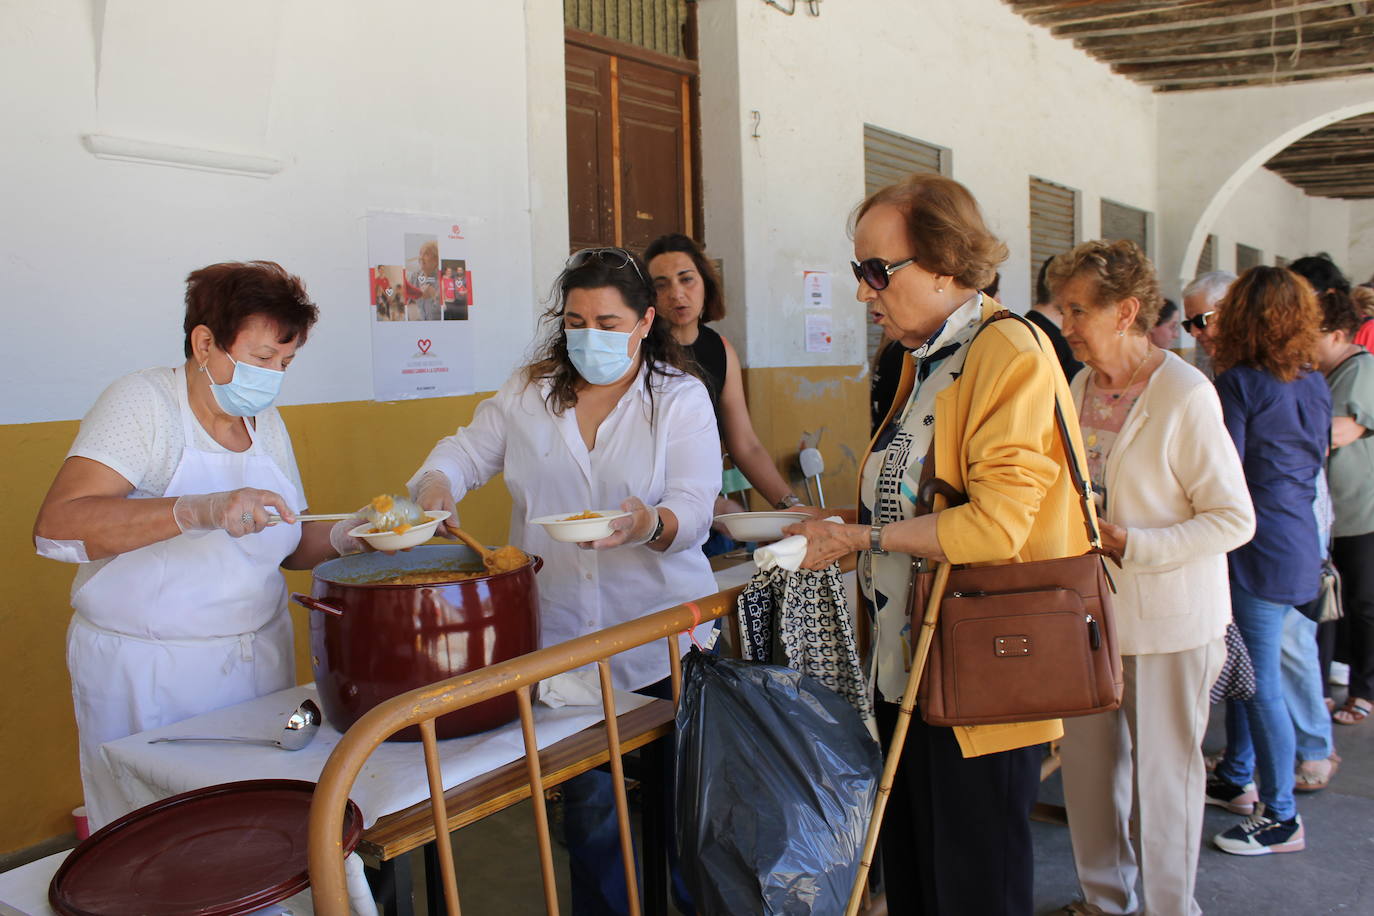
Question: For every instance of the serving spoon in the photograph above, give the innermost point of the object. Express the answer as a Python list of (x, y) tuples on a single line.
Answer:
[(502, 559), (299, 730)]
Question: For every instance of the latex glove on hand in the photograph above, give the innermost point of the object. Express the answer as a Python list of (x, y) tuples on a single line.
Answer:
[(343, 542), (237, 512), (434, 491), (635, 528)]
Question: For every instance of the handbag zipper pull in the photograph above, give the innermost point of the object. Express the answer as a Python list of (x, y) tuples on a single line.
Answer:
[(1094, 633), (968, 594)]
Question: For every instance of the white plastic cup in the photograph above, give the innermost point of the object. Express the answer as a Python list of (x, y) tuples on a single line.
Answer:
[(80, 824)]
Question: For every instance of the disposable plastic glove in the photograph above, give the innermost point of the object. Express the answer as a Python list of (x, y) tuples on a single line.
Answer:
[(434, 491), (237, 512), (635, 528), (342, 541)]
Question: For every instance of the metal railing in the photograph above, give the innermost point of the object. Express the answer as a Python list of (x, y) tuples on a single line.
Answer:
[(422, 706)]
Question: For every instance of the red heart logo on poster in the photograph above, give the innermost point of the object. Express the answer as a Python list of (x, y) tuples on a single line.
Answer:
[(424, 345)]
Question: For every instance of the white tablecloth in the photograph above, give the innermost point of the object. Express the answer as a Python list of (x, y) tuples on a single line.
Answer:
[(392, 779)]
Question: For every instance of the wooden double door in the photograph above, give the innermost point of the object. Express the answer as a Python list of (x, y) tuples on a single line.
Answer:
[(632, 162)]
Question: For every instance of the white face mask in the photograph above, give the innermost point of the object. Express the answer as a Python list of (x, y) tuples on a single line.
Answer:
[(600, 356)]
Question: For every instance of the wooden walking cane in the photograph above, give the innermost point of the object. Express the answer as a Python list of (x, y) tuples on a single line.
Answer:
[(894, 750)]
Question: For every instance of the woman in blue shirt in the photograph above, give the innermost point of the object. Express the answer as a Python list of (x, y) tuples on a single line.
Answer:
[(1278, 412)]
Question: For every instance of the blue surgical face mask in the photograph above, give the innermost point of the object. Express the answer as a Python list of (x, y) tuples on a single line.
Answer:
[(250, 390), (599, 356)]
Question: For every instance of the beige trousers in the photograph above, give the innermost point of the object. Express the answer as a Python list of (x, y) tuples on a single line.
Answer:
[(1134, 783)]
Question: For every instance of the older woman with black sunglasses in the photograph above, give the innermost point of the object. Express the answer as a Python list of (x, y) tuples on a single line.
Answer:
[(957, 835), (608, 415)]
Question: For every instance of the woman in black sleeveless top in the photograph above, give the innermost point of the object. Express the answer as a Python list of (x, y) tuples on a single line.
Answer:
[(689, 295)]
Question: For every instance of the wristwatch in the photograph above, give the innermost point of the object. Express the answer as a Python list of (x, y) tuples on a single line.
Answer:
[(875, 540), (787, 502), (658, 530)]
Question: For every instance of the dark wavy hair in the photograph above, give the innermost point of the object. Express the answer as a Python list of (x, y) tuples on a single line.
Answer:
[(713, 308), (224, 296), (1322, 272), (1269, 320), (660, 351), (1339, 312)]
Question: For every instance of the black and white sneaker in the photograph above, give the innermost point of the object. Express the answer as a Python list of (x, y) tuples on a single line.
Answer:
[(1228, 795), (1259, 835)]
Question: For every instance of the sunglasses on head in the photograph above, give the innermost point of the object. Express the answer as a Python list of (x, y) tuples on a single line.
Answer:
[(875, 271), (1197, 321), (614, 258)]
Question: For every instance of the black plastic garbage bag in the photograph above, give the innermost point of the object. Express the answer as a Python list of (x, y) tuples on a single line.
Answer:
[(776, 778)]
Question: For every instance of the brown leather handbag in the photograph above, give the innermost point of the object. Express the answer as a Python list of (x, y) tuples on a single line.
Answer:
[(1018, 642)]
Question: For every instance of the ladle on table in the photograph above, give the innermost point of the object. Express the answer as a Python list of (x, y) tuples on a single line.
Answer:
[(502, 559), (299, 730)]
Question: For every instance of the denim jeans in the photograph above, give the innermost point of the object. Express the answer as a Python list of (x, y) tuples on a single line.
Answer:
[(1302, 687), (592, 833), (1260, 738)]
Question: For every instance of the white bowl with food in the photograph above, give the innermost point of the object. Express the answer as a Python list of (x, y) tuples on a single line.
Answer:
[(577, 527), (403, 536), (758, 526)]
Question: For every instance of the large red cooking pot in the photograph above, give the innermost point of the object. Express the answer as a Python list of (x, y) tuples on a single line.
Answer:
[(370, 640)]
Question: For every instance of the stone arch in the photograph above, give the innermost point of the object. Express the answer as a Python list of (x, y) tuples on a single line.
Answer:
[(1198, 237)]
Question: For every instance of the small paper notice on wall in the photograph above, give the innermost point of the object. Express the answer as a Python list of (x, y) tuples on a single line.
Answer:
[(818, 333), (816, 288)]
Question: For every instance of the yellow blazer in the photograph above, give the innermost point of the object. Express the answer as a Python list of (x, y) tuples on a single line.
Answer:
[(996, 441)]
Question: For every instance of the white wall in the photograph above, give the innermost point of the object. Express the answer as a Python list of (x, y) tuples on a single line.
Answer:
[(969, 75), (419, 105), (1278, 218), (1361, 258)]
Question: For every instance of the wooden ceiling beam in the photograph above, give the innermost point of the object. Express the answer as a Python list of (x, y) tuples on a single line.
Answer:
[(1249, 79), (1172, 22), (1259, 31), (1258, 65), (1171, 56), (1064, 15)]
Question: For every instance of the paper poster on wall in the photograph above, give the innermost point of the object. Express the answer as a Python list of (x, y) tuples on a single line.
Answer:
[(818, 333), (420, 305), (816, 288)]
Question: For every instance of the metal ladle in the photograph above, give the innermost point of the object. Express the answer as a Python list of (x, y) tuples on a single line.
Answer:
[(299, 730)]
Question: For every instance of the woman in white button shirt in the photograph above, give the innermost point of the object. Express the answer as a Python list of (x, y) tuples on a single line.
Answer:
[(164, 500), (607, 416)]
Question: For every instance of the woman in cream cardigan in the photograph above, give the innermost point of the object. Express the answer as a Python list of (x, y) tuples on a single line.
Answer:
[(1172, 499), (956, 838)]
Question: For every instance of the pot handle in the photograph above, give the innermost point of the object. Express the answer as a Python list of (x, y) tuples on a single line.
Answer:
[(316, 604), (538, 563)]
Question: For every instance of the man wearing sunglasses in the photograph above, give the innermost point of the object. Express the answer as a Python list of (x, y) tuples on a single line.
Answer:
[(1200, 301)]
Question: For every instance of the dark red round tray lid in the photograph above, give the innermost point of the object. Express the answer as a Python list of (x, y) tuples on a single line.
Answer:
[(219, 851)]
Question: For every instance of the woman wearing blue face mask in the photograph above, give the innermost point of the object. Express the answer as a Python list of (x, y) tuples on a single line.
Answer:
[(164, 501), (607, 416)]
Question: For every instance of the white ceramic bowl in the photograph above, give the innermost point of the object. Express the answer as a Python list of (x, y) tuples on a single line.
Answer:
[(758, 526), (390, 540), (577, 530)]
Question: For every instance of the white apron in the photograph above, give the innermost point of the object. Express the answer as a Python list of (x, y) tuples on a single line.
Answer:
[(183, 626)]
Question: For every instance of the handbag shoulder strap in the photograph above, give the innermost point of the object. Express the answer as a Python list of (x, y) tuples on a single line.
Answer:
[(929, 484)]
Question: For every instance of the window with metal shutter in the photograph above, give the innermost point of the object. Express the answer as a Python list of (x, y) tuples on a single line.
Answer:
[(1247, 257), (1053, 218), (1207, 260), (653, 24), (888, 158), (1122, 222)]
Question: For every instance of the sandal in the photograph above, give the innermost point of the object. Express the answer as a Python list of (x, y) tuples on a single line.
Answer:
[(1315, 775), (1353, 712), (1330, 705)]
